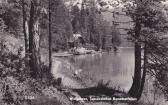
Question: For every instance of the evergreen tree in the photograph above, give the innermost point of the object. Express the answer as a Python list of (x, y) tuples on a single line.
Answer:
[(61, 25), (150, 24), (24, 4), (34, 38)]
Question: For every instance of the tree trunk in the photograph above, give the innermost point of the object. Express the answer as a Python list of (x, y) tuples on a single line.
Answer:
[(50, 38), (25, 28), (34, 36), (137, 72), (144, 72), (100, 42)]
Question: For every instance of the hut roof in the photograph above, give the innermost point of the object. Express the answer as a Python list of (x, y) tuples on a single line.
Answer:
[(75, 37)]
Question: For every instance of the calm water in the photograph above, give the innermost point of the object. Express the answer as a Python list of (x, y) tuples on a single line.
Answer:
[(116, 67)]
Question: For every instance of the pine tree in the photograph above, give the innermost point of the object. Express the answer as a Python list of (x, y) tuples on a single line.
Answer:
[(25, 25), (50, 36), (34, 38), (61, 25), (150, 24)]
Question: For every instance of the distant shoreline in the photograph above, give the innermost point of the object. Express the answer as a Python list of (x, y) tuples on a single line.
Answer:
[(125, 47)]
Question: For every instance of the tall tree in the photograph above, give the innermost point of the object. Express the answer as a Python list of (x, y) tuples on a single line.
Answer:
[(76, 20), (92, 21), (145, 63), (34, 36), (61, 25), (50, 36), (137, 73), (25, 25), (150, 24), (116, 38)]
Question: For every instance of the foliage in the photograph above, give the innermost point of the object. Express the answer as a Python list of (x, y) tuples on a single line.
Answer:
[(61, 25), (12, 64), (13, 68), (11, 15), (16, 82), (89, 22), (2, 25), (152, 19), (116, 38)]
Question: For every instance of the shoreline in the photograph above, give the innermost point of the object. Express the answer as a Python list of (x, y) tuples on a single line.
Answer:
[(67, 78)]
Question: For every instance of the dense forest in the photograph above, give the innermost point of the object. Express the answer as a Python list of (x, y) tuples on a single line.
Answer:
[(32, 31)]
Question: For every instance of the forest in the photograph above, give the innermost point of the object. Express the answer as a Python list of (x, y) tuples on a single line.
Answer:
[(68, 52)]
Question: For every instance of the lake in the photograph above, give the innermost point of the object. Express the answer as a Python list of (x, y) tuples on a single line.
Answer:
[(118, 68)]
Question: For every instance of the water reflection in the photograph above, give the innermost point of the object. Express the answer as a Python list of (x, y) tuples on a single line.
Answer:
[(116, 67)]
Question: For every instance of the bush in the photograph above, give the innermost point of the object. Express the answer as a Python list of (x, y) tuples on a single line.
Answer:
[(2, 25), (13, 71), (16, 82), (12, 64)]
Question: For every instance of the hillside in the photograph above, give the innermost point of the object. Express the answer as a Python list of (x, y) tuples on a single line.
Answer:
[(106, 7)]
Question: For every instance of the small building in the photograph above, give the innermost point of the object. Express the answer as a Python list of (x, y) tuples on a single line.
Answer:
[(76, 41)]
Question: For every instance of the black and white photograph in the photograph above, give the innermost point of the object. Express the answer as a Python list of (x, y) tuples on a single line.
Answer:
[(83, 52)]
